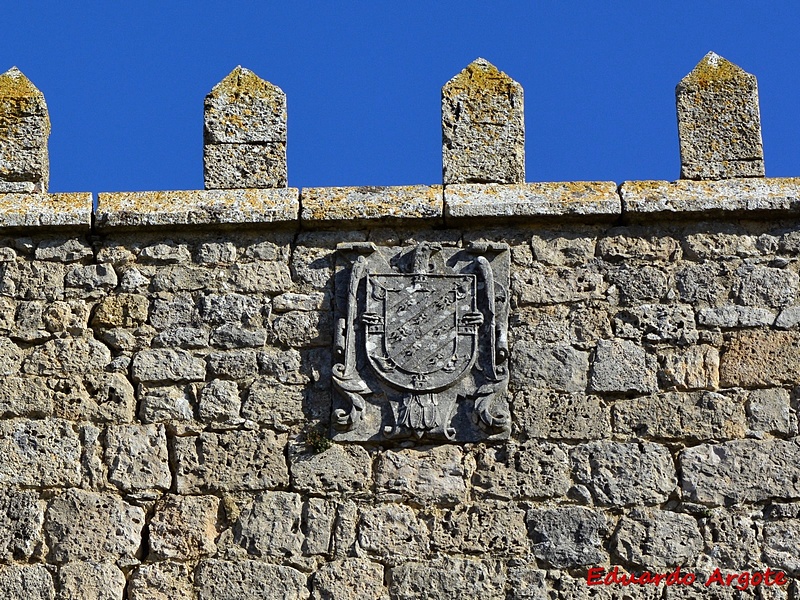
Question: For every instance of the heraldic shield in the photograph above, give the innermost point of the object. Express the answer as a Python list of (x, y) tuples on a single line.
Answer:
[(420, 343)]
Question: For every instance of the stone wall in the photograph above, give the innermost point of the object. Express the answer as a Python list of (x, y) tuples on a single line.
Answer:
[(166, 391)]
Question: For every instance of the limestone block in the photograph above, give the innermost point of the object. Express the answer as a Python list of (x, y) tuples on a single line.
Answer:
[(184, 527), (83, 525), (137, 457), (231, 461), (622, 366), (695, 368), (234, 364), (104, 397), (769, 411), (21, 519), (393, 531), (300, 329), (532, 470), (168, 310), (782, 545), (559, 367), (276, 405), (626, 243), (265, 277), (165, 253), (219, 309), (63, 250), (657, 539), (483, 127), (66, 356), (339, 470), (547, 285), (567, 537), (219, 401), (527, 583), (789, 317), (624, 473), (162, 581), (270, 525), (24, 129), (766, 286), (307, 302), (90, 581), (657, 323), (719, 125), (33, 281), (639, 284), (448, 578), (729, 316), (349, 579), (167, 366), (590, 200), (760, 358), (740, 471), (493, 529), (349, 204), (245, 133), (425, 476), (695, 416), (249, 580), (182, 337), (39, 453), (231, 336), (31, 582), (91, 278), (319, 516), (181, 278), (214, 253), (10, 357), (165, 403), (730, 536), (71, 211), (550, 415), (122, 310), (66, 317)]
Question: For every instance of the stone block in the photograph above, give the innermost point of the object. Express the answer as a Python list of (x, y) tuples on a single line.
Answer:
[(761, 358), (782, 545), (63, 250), (319, 516), (448, 577), (276, 405), (232, 336), (769, 411), (348, 204), (82, 525), (766, 286), (250, 580), (729, 316), (300, 329), (234, 364), (693, 368), (270, 525), (550, 415), (657, 324), (219, 402), (719, 125), (307, 302), (28, 582), (184, 527), (166, 403), (627, 243), (90, 581), (165, 253), (349, 579), (491, 529), (10, 357), (137, 457), (342, 469), (539, 284), (527, 583), (122, 310), (393, 532), (731, 536), (25, 397), (621, 366), (483, 127), (639, 285), (39, 453), (93, 279), (694, 416), (559, 367), (567, 537), (66, 356), (231, 461), (426, 476), (71, 211), (21, 519), (657, 539), (740, 471), (266, 277), (162, 581), (624, 473), (166, 365)]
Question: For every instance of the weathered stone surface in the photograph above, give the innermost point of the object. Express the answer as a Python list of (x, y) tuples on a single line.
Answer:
[(431, 476), (90, 581), (637, 284), (761, 358), (213, 253), (719, 125), (371, 203), (308, 302), (729, 316), (341, 469), (657, 323), (657, 539), (352, 578), (567, 537), (558, 367), (24, 129), (123, 310), (542, 285), (550, 415), (127, 210), (270, 526), (693, 416), (166, 366), (91, 278), (730, 537), (63, 250), (245, 133), (769, 411), (66, 356), (21, 519), (241, 460), (83, 525), (28, 582), (741, 471), (623, 474), (594, 199), (162, 581), (622, 366), (270, 277), (448, 578), (219, 402), (276, 405), (234, 364), (782, 545), (533, 470), (483, 127), (249, 580), (137, 457), (300, 329), (766, 286), (318, 521), (10, 357), (393, 531), (693, 368), (39, 453), (70, 211), (491, 529), (184, 527), (527, 583), (165, 403)]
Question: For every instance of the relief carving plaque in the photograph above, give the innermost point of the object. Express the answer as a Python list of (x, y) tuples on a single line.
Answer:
[(420, 345)]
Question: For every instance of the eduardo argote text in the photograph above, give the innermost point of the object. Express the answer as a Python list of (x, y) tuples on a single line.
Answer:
[(739, 580)]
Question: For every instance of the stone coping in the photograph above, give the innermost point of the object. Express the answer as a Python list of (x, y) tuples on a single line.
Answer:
[(73, 210), (533, 200), (198, 207), (336, 204)]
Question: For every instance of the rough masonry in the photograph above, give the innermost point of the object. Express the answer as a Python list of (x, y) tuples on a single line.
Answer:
[(174, 407)]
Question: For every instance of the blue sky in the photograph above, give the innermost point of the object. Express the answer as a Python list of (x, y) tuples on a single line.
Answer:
[(125, 82)]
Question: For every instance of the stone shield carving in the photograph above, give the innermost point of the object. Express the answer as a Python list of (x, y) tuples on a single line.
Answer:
[(421, 348)]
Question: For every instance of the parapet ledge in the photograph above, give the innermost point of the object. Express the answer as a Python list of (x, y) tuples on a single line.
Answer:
[(126, 210), (595, 200), (727, 198), (51, 211)]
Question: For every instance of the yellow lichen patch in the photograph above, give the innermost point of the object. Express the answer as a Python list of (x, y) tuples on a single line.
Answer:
[(714, 69), (480, 74), (243, 82), (13, 84)]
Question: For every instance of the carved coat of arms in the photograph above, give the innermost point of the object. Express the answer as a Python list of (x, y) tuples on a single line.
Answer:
[(421, 345)]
